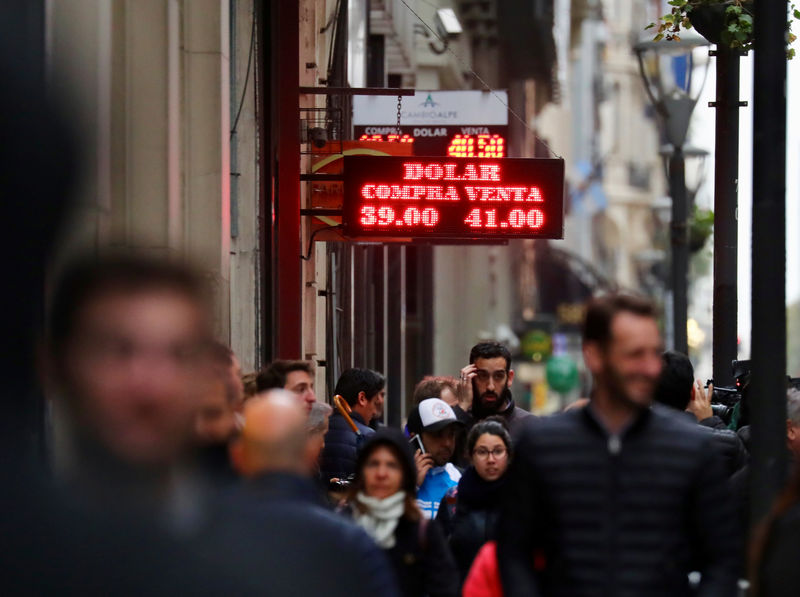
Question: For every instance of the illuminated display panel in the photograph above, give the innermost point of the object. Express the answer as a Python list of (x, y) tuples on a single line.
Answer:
[(453, 141), (453, 198)]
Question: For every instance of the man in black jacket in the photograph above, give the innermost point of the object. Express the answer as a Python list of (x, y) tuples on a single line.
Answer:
[(678, 390), (364, 390), (617, 499)]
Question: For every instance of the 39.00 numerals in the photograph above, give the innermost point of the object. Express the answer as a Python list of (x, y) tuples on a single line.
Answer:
[(386, 216)]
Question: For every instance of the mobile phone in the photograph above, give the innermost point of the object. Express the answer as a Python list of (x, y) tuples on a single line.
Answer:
[(416, 443)]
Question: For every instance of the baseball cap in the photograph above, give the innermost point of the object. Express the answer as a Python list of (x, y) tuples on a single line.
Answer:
[(431, 414)]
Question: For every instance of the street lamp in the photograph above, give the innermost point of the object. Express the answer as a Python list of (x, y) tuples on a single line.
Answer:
[(696, 174), (667, 70)]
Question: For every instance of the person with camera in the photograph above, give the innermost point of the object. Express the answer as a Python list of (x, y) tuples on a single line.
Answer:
[(677, 389)]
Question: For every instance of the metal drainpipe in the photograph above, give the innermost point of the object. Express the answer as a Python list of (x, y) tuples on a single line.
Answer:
[(234, 105), (726, 174)]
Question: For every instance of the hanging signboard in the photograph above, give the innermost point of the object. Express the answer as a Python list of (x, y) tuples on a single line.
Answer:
[(468, 124), (453, 198)]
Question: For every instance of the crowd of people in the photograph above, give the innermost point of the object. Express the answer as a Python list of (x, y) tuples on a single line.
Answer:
[(184, 474)]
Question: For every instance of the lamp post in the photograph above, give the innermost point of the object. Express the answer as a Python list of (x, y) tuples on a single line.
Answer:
[(667, 70)]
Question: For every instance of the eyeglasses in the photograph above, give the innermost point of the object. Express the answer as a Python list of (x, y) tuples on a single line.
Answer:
[(483, 376), (498, 453)]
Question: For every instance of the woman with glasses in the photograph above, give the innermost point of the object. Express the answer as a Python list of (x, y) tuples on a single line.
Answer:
[(469, 512)]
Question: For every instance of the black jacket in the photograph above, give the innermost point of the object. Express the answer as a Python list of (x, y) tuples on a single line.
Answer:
[(287, 543), (728, 444), (515, 417), (338, 458), (621, 516), (468, 515), (422, 561)]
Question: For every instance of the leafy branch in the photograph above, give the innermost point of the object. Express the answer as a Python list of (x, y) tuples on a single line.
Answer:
[(736, 26)]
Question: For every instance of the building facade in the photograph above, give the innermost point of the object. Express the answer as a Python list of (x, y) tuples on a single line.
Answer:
[(201, 130)]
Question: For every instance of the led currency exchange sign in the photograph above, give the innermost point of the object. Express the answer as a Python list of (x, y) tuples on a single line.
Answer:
[(453, 198)]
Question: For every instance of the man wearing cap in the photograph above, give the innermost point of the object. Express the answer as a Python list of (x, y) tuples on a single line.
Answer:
[(434, 423)]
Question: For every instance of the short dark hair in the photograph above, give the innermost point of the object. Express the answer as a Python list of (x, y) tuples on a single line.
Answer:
[(88, 277), (431, 387), (356, 380), (674, 386), (494, 425), (490, 350), (275, 374), (600, 312)]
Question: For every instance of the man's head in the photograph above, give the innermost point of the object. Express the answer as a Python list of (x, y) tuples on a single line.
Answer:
[(493, 377), (215, 422), (674, 388), (437, 387), (436, 424), (295, 376), (274, 435), (128, 353), (622, 348), (793, 421), (364, 390)]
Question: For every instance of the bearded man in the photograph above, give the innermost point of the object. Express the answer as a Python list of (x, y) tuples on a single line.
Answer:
[(490, 375)]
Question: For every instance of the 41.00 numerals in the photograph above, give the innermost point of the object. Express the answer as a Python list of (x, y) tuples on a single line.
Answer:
[(517, 218)]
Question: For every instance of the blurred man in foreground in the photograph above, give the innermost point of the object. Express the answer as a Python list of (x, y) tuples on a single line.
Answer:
[(285, 520), (129, 359), (619, 499)]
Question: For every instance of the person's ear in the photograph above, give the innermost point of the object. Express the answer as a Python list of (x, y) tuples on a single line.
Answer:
[(362, 399), (593, 356), (791, 431), (510, 376)]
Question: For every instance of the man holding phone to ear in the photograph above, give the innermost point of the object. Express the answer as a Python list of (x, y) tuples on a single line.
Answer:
[(433, 426)]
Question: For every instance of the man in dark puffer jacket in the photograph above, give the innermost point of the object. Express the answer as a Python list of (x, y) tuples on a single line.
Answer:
[(617, 498), (364, 390), (677, 389)]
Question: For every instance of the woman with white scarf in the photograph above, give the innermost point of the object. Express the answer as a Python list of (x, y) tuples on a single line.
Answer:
[(382, 502)]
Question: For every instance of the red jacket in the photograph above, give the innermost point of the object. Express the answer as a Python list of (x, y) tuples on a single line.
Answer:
[(483, 579)]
